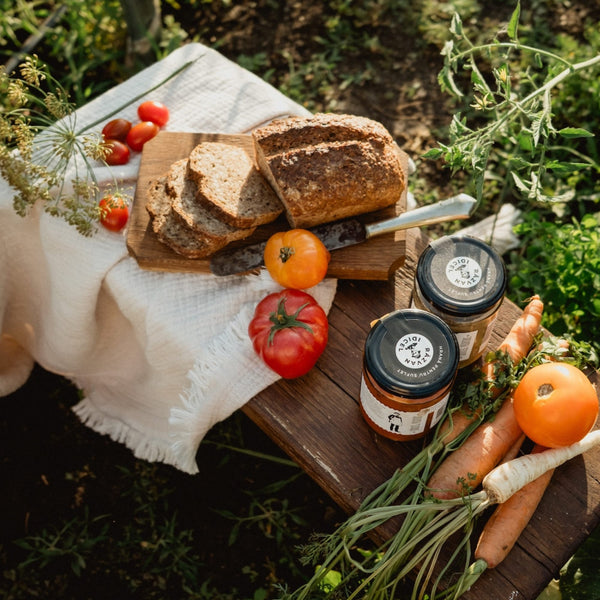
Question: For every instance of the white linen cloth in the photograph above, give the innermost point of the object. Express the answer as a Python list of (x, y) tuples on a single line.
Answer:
[(160, 357)]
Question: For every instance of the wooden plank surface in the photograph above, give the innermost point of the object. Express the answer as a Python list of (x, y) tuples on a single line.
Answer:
[(317, 421), (375, 259)]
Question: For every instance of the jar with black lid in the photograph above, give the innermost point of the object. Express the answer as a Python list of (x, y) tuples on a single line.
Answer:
[(409, 365), (462, 280)]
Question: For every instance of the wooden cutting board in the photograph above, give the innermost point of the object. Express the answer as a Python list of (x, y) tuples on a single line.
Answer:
[(375, 259)]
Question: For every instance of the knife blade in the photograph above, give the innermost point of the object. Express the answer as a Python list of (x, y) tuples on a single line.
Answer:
[(348, 232)]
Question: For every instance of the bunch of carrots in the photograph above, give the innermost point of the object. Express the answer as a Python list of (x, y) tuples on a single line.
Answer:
[(433, 494)]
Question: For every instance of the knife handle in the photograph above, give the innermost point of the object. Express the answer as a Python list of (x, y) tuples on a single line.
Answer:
[(456, 207)]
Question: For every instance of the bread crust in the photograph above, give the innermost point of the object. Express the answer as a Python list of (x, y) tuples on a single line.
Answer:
[(327, 166)]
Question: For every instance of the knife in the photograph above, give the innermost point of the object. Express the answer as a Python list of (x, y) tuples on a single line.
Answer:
[(348, 232)]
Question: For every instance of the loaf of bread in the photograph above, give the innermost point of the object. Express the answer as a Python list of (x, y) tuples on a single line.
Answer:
[(230, 186), (327, 166)]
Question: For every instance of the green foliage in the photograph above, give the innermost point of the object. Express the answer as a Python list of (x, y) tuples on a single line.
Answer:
[(562, 262), (71, 543), (509, 126), (579, 577)]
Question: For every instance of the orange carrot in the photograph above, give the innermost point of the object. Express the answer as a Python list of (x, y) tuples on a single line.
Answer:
[(520, 337), (487, 445), (514, 450), (517, 345), (509, 519), (478, 455)]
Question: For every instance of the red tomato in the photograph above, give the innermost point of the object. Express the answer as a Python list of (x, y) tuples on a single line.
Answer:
[(118, 153), (296, 258), (140, 133), (117, 129), (555, 404), (156, 112), (289, 332), (114, 213)]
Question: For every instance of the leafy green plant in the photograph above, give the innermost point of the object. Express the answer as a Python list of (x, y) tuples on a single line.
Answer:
[(515, 117), (72, 543), (563, 260), (271, 514)]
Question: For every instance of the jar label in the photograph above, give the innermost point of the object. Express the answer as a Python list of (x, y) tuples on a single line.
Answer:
[(414, 351), (463, 272), (399, 422), (465, 343)]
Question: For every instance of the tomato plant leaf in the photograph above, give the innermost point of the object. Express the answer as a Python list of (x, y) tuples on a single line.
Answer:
[(565, 167), (513, 24), (575, 132)]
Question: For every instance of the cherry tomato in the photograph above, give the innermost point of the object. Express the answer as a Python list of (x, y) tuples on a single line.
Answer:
[(555, 404), (140, 133), (118, 153), (156, 112), (289, 332), (117, 129), (114, 213), (296, 258)]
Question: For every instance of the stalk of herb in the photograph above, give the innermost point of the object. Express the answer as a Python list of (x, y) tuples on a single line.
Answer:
[(44, 156)]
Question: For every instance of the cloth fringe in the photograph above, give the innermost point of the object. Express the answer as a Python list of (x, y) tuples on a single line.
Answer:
[(141, 446)]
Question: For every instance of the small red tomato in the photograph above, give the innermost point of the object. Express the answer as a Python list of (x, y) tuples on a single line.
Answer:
[(117, 129), (114, 212), (289, 331), (140, 133), (118, 153), (156, 112)]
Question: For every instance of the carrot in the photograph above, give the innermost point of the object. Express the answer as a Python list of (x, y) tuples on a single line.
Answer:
[(520, 338), (514, 450), (487, 445), (509, 520), (478, 455), (517, 345)]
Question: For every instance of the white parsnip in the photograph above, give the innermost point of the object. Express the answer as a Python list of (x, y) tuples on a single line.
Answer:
[(508, 478)]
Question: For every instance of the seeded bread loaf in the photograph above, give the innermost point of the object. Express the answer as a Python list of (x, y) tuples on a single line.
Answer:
[(171, 230), (231, 187), (327, 167), (182, 191)]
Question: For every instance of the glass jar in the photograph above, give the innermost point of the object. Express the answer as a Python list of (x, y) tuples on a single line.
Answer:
[(409, 365), (462, 280)]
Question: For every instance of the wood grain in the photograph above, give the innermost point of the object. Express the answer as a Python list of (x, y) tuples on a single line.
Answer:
[(375, 259), (316, 419)]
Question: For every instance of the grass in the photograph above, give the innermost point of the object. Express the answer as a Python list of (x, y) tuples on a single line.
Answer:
[(82, 518)]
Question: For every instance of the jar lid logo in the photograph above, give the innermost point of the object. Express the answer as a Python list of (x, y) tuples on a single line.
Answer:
[(414, 351), (463, 272)]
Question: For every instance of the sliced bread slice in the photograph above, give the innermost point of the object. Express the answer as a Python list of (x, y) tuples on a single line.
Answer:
[(171, 230), (230, 185), (183, 192)]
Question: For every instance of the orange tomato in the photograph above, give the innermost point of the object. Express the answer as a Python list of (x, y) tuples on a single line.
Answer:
[(555, 404), (296, 258)]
